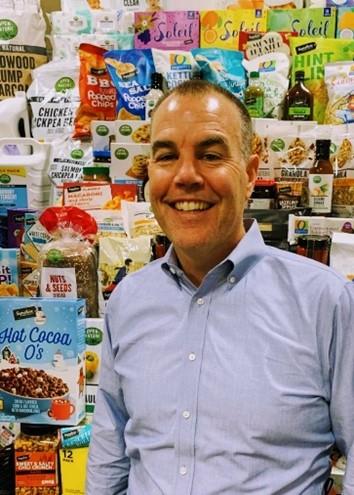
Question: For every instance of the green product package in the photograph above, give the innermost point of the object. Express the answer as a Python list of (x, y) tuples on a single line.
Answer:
[(311, 55), (314, 22)]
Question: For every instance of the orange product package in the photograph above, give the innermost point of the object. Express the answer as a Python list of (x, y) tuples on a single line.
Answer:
[(98, 96)]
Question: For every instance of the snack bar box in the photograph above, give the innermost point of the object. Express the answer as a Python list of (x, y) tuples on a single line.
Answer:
[(42, 368), (73, 470)]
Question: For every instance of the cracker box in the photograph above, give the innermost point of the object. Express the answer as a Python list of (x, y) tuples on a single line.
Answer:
[(129, 161), (132, 131), (93, 339), (102, 132), (172, 30), (221, 28), (42, 368), (73, 470)]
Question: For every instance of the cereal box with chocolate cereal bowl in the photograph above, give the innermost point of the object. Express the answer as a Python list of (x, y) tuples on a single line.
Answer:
[(42, 367), (132, 131), (129, 161), (9, 272), (171, 30), (221, 28)]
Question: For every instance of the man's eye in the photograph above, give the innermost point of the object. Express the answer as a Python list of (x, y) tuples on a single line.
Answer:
[(166, 157), (211, 157)]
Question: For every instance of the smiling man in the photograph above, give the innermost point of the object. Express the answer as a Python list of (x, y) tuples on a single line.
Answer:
[(227, 365)]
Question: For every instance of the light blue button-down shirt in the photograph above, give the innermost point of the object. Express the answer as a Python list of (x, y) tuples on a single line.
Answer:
[(239, 386)]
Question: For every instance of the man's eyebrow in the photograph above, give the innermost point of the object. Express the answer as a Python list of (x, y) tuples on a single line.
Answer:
[(162, 144), (212, 141)]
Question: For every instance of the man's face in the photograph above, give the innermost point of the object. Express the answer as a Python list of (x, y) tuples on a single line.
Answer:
[(198, 180)]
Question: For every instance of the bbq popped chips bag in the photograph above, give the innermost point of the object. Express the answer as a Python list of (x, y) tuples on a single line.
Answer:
[(22, 49), (54, 98), (97, 93), (130, 71), (222, 67)]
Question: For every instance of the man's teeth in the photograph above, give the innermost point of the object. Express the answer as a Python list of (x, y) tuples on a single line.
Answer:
[(191, 205)]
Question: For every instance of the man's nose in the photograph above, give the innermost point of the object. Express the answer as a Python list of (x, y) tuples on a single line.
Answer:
[(188, 171)]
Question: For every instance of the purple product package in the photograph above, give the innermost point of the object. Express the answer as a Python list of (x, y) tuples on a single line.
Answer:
[(167, 30), (16, 226)]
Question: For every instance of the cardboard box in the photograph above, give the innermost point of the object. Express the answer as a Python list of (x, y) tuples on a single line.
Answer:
[(42, 369), (93, 340), (129, 161), (73, 470), (132, 131)]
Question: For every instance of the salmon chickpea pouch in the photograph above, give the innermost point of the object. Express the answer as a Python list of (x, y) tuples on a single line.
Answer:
[(97, 93)]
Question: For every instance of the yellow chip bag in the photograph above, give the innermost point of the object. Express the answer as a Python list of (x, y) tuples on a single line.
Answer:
[(221, 28), (311, 55)]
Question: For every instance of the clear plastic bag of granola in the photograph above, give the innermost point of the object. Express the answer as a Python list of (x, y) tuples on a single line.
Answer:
[(68, 263)]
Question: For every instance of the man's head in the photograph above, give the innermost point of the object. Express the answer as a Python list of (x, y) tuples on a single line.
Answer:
[(201, 172)]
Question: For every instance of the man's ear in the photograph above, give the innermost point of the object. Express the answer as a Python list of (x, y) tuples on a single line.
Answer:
[(252, 170)]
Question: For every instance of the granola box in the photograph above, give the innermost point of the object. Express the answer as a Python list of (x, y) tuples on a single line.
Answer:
[(42, 368), (129, 161), (221, 28), (132, 131), (168, 30)]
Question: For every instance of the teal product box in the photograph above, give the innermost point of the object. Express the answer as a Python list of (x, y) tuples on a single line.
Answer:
[(42, 367), (74, 437)]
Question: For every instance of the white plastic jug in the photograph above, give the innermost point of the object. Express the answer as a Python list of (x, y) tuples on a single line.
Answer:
[(14, 119), (30, 170)]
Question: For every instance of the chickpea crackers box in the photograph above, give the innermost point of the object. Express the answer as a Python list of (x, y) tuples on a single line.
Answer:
[(42, 368)]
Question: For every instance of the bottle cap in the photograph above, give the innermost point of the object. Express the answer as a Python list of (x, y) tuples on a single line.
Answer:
[(156, 80), (322, 148), (300, 74), (254, 75)]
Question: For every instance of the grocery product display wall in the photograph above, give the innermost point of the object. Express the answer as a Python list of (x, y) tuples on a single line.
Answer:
[(78, 82)]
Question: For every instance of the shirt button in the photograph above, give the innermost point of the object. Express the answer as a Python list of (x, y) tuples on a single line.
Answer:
[(191, 356), (232, 280), (200, 301), (183, 470), (186, 414)]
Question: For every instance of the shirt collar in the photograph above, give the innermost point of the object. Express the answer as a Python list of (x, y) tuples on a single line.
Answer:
[(244, 256)]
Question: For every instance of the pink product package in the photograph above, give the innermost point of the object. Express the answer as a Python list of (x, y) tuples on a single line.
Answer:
[(167, 30)]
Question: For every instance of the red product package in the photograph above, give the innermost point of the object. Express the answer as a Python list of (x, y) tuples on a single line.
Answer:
[(98, 96)]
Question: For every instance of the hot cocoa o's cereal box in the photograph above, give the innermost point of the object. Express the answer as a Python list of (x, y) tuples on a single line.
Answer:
[(42, 367)]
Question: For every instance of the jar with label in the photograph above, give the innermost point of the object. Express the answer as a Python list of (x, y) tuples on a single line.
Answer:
[(254, 96), (321, 180), (263, 195), (298, 104), (314, 246), (36, 460)]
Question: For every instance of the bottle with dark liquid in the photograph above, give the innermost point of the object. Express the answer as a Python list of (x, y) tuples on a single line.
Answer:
[(298, 103), (321, 179)]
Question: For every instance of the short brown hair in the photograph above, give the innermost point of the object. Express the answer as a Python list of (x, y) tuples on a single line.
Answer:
[(197, 87)]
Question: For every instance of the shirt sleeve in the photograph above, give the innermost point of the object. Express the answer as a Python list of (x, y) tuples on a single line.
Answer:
[(342, 386), (108, 465)]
